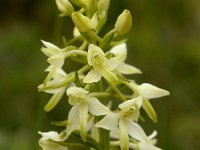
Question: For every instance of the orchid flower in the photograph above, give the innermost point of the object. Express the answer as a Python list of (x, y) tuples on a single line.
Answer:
[(120, 123), (82, 104), (58, 75), (102, 66), (147, 91)]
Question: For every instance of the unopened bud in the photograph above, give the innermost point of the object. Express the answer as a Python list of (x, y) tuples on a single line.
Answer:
[(124, 22), (103, 5), (65, 7), (83, 23)]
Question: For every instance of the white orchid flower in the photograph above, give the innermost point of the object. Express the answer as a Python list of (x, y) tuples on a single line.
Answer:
[(102, 66), (119, 123), (49, 139), (147, 91), (56, 75), (82, 104)]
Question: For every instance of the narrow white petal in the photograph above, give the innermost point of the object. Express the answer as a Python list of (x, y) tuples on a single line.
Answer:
[(92, 76), (96, 107), (49, 45), (153, 134), (150, 91), (124, 68), (136, 132), (123, 134), (120, 52), (109, 122), (83, 116), (113, 63), (73, 120)]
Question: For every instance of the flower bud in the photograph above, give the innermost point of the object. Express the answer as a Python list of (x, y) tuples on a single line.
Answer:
[(103, 5), (65, 7), (81, 3), (83, 23), (124, 22)]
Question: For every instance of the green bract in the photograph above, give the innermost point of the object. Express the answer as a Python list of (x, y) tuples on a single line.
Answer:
[(98, 82)]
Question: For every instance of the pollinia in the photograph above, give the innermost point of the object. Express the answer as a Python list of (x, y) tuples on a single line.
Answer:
[(105, 104)]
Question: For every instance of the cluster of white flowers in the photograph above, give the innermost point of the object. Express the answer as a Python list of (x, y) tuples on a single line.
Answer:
[(93, 88)]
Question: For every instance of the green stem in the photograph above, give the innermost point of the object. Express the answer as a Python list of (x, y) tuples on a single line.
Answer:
[(104, 136), (121, 96), (84, 45), (94, 35)]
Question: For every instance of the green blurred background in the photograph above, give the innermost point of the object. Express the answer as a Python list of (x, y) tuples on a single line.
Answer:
[(164, 42)]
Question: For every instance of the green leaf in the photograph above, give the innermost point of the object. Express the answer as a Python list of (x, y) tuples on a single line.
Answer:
[(149, 110)]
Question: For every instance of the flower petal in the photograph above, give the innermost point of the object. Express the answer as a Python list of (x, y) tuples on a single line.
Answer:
[(123, 134), (50, 49), (124, 68), (130, 103), (49, 45), (96, 107), (136, 132), (73, 120), (120, 56), (77, 91), (114, 133), (147, 146), (93, 51), (92, 76), (83, 116), (50, 135), (77, 95), (150, 91), (57, 72), (109, 122), (119, 49), (57, 60)]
